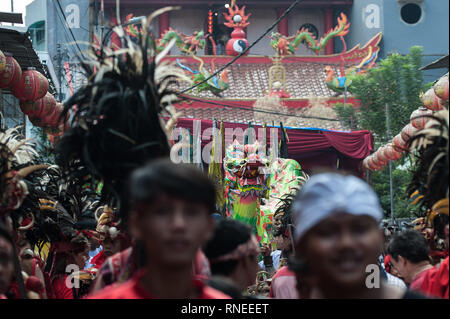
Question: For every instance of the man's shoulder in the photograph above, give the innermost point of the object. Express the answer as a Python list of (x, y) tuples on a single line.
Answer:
[(283, 271)]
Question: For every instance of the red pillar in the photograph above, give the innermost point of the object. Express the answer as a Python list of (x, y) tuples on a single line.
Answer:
[(283, 26), (328, 25), (164, 22)]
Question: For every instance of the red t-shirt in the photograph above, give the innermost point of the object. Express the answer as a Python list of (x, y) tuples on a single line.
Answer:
[(98, 260), (284, 284), (436, 281), (132, 289), (59, 288), (418, 280)]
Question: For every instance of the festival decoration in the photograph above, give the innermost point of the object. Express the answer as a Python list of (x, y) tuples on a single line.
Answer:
[(407, 132), (31, 87), (391, 154), (288, 45), (399, 144), (431, 101), (441, 88), (286, 177), (11, 74), (217, 84), (420, 117), (237, 20), (245, 184), (187, 44), (2, 62), (344, 81)]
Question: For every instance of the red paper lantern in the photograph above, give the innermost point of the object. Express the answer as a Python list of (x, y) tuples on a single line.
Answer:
[(399, 144), (391, 153), (381, 154), (431, 101), (420, 117), (2, 62), (371, 163), (378, 160), (441, 88), (31, 87), (407, 132), (39, 108), (11, 74), (52, 119)]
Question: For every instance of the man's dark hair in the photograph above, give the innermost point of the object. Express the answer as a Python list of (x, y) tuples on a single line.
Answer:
[(228, 235), (411, 245), (183, 181)]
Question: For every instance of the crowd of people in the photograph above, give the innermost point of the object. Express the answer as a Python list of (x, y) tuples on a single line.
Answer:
[(117, 219)]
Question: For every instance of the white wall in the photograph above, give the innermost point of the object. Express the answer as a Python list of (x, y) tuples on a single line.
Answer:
[(260, 21), (187, 26)]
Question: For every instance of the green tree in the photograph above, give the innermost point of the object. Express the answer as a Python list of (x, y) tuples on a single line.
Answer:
[(396, 81)]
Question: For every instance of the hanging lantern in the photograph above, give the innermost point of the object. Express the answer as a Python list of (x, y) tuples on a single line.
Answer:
[(52, 119), (2, 62), (39, 108), (373, 166), (441, 88), (431, 101), (399, 144), (31, 87), (378, 160), (11, 74), (391, 153), (365, 164), (382, 155), (407, 132), (420, 117)]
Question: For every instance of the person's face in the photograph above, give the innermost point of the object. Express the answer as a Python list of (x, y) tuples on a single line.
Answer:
[(283, 243), (338, 250), (172, 230), (6, 264), (399, 266), (81, 258), (93, 243), (111, 246)]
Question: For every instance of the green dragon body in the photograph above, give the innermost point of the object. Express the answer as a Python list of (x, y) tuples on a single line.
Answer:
[(288, 45)]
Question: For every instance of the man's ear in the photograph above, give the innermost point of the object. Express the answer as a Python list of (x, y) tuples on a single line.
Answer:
[(402, 260)]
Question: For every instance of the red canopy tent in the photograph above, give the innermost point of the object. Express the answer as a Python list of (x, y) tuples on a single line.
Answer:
[(312, 148)]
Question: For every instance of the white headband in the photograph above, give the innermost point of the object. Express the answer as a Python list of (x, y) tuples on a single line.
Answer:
[(326, 194)]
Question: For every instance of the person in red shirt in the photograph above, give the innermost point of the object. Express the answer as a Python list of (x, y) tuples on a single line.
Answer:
[(73, 253), (409, 252), (170, 207)]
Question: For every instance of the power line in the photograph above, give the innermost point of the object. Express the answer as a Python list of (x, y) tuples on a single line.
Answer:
[(247, 49), (67, 36), (260, 110), (70, 30)]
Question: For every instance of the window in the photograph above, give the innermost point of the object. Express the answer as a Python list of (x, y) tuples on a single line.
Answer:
[(411, 13), (37, 34), (311, 28)]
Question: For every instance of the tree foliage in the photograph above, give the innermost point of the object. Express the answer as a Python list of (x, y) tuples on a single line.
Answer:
[(43, 146), (397, 82)]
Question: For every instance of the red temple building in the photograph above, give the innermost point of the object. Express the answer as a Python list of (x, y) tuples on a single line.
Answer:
[(298, 78)]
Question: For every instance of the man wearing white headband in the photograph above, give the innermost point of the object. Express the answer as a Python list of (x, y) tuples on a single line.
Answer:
[(338, 241)]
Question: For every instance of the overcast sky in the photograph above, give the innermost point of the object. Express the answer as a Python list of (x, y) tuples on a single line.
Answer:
[(19, 6)]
